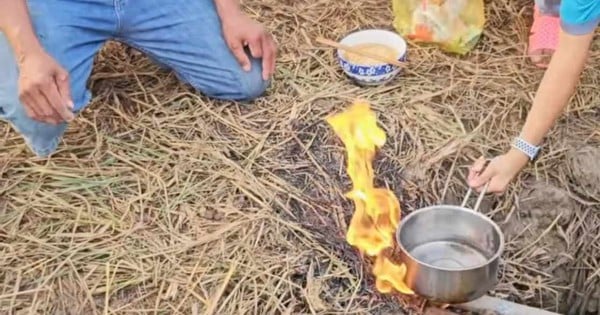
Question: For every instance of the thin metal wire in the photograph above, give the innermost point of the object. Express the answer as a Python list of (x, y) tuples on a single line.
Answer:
[(481, 195)]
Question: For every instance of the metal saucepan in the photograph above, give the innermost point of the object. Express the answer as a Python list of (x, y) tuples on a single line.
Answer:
[(451, 253)]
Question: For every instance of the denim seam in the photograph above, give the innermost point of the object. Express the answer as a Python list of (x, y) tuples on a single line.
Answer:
[(117, 9)]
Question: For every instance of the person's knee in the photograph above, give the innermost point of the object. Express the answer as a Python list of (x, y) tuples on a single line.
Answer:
[(253, 86), (43, 149), (243, 86), (41, 138)]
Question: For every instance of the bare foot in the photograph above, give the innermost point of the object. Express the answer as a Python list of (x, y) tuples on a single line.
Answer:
[(541, 58)]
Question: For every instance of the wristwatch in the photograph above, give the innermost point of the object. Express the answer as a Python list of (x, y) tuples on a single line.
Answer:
[(527, 148)]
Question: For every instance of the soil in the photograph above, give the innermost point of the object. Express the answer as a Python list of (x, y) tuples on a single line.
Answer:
[(544, 203), (543, 214), (585, 169), (584, 164)]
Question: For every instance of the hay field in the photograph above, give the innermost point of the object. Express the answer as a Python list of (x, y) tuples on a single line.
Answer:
[(162, 201)]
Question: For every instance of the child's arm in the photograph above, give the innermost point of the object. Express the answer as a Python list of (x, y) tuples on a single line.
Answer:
[(557, 86), (552, 97)]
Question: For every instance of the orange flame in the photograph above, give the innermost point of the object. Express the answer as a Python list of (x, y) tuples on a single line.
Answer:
[(377, 210)]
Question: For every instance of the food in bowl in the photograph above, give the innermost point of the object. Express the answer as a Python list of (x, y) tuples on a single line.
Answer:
[(372, 72), (376, 49)]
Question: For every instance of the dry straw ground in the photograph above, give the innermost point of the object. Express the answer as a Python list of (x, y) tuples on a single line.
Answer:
[(162, 201)]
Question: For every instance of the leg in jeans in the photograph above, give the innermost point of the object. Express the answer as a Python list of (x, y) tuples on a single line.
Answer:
[(186, 36), (71, 32)]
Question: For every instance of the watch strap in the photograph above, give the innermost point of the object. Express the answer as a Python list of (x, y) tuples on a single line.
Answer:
[(527, 148)]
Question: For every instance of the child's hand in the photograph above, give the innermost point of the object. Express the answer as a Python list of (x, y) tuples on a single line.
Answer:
[(499, 173)]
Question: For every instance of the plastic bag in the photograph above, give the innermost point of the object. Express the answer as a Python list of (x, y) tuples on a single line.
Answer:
[(454, 25)]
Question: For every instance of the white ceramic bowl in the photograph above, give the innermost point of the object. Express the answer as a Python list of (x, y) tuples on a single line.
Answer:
[(378, 73)]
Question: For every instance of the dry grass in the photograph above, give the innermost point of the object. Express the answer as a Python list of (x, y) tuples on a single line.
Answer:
[(162, 201)]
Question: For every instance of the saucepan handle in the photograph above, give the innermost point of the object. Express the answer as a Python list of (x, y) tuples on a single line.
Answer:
[(479, 199), (481, 195)]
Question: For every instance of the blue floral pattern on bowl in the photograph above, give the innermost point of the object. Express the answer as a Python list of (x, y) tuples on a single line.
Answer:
[(378, 73), (370, 71), (370, 75)]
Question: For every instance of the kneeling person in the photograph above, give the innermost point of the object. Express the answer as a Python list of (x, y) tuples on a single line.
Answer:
[(47, 50)]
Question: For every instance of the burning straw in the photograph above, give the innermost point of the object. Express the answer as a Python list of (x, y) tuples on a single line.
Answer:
[(377, 210)]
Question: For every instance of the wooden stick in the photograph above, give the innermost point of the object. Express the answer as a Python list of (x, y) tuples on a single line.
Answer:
[(437, 311), (502, 307), (353, 50)]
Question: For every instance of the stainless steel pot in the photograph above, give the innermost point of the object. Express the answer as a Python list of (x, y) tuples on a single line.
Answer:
[(452, 253)]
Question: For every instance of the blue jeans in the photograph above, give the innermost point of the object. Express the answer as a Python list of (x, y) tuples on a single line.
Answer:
[(184, 35)]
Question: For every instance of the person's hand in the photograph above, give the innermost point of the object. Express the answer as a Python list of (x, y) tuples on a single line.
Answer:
[(499, 172), (242, 31), (44, 89)]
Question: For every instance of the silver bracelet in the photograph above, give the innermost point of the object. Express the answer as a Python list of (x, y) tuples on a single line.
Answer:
[(527, 148)]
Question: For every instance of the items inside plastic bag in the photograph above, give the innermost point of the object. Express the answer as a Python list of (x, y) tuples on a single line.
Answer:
[(454, 25)]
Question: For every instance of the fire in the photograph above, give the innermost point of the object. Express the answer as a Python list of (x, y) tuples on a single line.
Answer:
[(377, 211)]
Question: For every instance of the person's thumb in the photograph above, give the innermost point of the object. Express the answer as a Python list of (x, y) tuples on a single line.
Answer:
[(485, 176), (476, 169)]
